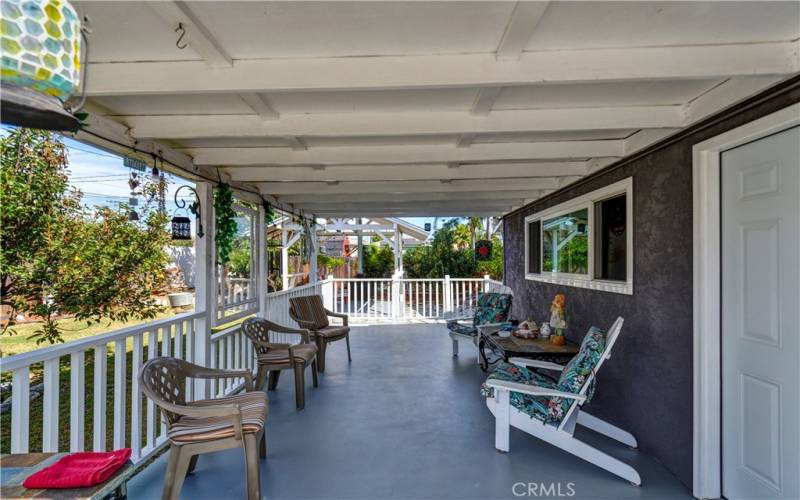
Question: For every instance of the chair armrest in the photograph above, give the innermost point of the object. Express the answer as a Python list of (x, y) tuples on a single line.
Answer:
[(270, 345), (302, 322), (303, 332), (535, 363), (489, 326), (461, 318), (533, 390), (344, 317), (214, 373)]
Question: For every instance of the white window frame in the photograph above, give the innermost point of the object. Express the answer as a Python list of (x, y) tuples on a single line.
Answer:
[(586, 201)]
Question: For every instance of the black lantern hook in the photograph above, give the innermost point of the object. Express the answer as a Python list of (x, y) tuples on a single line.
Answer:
[(180, 38), (194, 207)]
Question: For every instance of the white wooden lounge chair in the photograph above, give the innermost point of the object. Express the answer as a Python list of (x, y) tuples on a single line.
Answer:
[(529, 401)]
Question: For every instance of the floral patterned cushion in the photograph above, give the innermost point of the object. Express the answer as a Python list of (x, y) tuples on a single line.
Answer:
[(577, 370), (460, 328), (492, 308), (553, 409), (535, 406)]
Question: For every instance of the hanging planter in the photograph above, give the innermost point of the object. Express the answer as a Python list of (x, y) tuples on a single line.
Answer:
[(483, 250), (41, 63)]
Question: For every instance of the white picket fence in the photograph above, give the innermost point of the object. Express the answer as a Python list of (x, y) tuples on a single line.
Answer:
[(124, 351)]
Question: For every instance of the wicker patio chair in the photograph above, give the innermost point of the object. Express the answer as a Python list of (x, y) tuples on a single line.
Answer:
[(207, 425), (273, 357), (310, 313)]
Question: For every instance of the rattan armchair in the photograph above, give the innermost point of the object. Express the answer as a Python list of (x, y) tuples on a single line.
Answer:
[(208, 425), (309, 312), (273, 357)]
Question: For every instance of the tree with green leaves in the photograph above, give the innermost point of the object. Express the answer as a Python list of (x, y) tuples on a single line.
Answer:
[(58, 258)]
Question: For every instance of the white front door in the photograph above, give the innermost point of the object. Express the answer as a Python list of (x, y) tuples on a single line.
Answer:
[(761, 318)]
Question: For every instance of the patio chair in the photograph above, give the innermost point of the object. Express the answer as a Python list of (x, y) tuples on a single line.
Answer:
[(206, 425), (310, 313), (531, 402), (273, 357), (490, 309)]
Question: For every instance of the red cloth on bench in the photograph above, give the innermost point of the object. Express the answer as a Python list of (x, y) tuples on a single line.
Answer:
[(79, 470)]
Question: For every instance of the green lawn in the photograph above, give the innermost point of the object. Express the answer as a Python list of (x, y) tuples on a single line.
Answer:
[(19, 342)]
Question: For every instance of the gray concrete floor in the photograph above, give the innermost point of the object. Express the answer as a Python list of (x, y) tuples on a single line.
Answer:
[(405, 420)]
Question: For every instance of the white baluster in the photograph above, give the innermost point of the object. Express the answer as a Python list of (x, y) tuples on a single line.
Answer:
[(136, 397), (152, 345), (77, 394), (20, 406), (100, 373), (120, 381), (179, 340), (50, 416)]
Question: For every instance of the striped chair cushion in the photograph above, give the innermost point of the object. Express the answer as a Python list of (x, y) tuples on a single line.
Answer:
[(303, 353), (333, 332), (253, 406), (311, 309)]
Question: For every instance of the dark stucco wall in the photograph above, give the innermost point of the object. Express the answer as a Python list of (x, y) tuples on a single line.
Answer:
[(646, 387)]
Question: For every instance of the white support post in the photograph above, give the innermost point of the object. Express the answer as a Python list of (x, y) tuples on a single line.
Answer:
[(314, 252), (448, 294), (328, 291), (360, 240), (398, 250), (262, 262), (284, 257), (205, 286), (486, 280), (396, 298)]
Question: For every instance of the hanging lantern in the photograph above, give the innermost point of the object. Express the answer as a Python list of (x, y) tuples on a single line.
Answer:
[(483, 250), (133, 215), (181, 228), (41, 65)]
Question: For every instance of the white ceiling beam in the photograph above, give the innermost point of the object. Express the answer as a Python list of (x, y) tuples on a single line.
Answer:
[(520, 28), (485, 99), (726, 94), (417, 153), (259, 104), (407, 172), (321, 188), (644, 138), (440, 71), (295, 143), (408, 123), (465, 141), (411, 197), (197, 35), (447, 211)]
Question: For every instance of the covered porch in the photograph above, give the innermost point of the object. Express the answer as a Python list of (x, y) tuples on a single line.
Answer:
[(405, 420)]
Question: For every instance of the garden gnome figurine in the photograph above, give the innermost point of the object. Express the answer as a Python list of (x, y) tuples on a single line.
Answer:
[(558, 319)]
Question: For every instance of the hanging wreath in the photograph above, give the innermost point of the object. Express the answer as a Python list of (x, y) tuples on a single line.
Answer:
[(225, 222)]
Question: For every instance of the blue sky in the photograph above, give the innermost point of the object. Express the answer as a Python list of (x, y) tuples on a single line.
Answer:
[(103, 179)]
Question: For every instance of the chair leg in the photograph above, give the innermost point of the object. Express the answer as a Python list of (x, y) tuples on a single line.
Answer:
[(299, 385), (455, 348), (261, 377), (314, 372), (347, 339), (321, 348), (502, 422), (253, 467), (192, 464), (274, 375), (262, 448), (176, 472)]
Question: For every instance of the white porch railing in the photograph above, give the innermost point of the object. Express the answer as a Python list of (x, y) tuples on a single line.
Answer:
[(122, 352), (115, 359), (399, 299)]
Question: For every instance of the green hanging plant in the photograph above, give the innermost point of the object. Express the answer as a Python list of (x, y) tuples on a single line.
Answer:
[(269, 212), (225, 221)]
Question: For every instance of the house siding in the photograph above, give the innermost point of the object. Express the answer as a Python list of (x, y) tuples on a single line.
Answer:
[(646, 387)]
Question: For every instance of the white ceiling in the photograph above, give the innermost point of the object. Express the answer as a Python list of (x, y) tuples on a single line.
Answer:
[(446, 108)]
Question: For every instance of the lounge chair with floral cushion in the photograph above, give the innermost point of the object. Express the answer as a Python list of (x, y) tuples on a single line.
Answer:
[(490, 309), (520, 397), (207, 425), (310, 313)]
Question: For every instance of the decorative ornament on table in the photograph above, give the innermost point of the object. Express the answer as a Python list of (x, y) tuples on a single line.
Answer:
[(558, 318)]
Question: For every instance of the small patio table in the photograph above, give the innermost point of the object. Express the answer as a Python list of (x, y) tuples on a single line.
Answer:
[(514, 347), (16, 467)]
